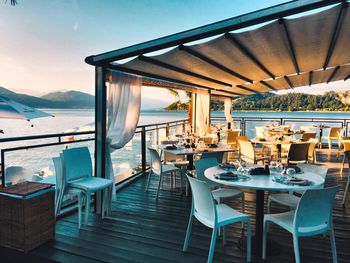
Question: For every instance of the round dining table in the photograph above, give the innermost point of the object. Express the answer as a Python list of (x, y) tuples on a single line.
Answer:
[(262, 183)]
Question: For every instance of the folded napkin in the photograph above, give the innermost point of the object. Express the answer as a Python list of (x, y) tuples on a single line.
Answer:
[(171, 147), (226, 176), (213, 145)]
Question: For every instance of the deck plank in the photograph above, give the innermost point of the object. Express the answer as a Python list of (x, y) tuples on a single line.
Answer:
[(142, 229)]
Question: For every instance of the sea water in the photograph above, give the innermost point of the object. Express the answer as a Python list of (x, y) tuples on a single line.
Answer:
[(40, 159)]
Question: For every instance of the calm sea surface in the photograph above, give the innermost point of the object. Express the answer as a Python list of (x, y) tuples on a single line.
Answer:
[(35, 160)]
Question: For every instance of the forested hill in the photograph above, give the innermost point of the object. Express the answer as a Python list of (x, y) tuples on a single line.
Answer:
[(331, 101)]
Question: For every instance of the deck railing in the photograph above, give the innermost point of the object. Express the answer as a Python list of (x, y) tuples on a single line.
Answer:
[(146, 135)]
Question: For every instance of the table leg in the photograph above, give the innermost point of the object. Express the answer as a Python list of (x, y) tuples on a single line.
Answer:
[(321, 133), (259, 225), (272, 247), (190, 166)]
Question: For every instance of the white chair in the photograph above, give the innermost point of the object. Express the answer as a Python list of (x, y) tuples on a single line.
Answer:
[(333, 136), (260, 132), (248, 154), (157, 168), (77, 168), (218, 192), (63, 190), (213, 215), (289, 199), (313, 216), (346, 155)]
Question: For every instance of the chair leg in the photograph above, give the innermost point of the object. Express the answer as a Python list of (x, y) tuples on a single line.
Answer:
[(334, 249), (80, 208), (346, 190), (149, 179), (269, 203), (87, 207), (296, 248), (249, 241), (224, 235), (188, 233), (342, 165), (105, 202), (243, 208), (212, 245), (263, 254), (160, 181)]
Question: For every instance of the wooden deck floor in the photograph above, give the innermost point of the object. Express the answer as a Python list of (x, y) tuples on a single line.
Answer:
[(145, 230)]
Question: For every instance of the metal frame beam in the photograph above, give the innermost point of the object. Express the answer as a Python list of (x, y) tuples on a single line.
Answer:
[(248, 54), (334, 73), (180, 70), (347, 77), (100, 128), (247, 89), (310, 78), (154, 76), (268, 85), (335, 34), (204, 58), (289, 82), (290, 44), (221, 27)]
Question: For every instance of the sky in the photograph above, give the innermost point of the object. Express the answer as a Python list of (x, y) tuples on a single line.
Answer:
[(44, 43)]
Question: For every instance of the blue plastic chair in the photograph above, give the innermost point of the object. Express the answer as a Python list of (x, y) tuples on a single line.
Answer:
[(213, 215), (157, 168), (218, 193), (62, 190), (218, 155), (312, 216), (77, 168), (289, 199)]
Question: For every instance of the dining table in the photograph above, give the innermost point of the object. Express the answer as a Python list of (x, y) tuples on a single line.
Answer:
[(261, 184), (277, 143), (190, 152)]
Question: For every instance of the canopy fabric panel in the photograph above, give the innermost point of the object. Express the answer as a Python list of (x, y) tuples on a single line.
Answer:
[(276, 56)]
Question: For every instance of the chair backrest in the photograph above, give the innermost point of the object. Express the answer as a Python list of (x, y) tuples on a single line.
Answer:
[(58, 165), (217, 155), (246, 149), (319, 170), (308, 135), (260, 132), (346, 145), (208, 140), (298, 152), (334, 131), (203, 164), (242, 138), (76, 163), (156, 163), (231, 136), (312, 147), (314, 209), (203, 202)]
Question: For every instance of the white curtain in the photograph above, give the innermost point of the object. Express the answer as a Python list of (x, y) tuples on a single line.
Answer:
[(123, 111), (201, 112), (228, 107)]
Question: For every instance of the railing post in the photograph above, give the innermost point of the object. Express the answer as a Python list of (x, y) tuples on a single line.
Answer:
[(143, 148), (167, 130), (183, 127), (2, 168)]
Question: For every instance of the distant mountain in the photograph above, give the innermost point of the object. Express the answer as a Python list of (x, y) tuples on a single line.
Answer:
[(71, 99), (68, 99), (331, 101)]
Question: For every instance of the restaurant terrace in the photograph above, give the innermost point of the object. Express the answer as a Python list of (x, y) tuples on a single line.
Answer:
[(207, 190)]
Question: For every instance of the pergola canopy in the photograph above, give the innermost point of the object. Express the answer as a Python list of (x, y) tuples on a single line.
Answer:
[(283, 54)]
